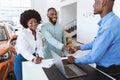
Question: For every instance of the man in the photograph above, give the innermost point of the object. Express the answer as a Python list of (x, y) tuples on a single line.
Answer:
[(54, 36), (105, 49)]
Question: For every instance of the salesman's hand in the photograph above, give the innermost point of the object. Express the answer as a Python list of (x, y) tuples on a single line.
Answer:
[(71, 59), (37, 60), (73, 49)]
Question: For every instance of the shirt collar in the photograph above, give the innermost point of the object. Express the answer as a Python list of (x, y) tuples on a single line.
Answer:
[(52, 24), (30, 30), (105, 18)]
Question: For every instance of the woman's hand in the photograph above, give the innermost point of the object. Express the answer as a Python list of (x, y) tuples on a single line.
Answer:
[(37, 60)]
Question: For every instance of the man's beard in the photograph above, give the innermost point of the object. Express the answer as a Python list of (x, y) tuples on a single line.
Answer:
[(53, 22)]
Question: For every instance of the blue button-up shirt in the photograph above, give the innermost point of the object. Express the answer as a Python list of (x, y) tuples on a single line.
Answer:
[(105, 49)]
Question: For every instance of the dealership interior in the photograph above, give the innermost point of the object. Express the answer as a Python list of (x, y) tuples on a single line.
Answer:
[(79, 26)]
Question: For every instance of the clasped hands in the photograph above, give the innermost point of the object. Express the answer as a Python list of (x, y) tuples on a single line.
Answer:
[(71, 49)]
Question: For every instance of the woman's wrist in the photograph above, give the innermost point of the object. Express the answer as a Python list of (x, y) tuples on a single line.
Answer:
[(34, 60), (37, 60)]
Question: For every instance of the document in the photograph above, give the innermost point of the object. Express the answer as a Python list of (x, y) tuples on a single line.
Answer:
[(47, 63)]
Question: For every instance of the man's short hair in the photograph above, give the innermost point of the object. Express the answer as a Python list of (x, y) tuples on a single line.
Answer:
[(50, 9)]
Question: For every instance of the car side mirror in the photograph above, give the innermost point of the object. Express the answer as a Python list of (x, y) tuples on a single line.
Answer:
[(13, 39)]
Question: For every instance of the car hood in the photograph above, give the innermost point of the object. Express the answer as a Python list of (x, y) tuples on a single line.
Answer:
[(4, 47)]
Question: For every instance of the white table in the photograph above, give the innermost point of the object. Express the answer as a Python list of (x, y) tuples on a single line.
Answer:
[(32, 71)]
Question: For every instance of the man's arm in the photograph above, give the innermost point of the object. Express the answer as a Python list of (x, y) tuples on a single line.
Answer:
[(100, 47), (51, 39)]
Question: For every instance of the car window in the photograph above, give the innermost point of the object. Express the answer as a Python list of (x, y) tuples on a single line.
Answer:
[(3, 35)]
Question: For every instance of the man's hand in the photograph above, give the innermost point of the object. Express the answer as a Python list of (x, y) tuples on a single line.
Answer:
[(73, 49), (71, 59), (65, 47)]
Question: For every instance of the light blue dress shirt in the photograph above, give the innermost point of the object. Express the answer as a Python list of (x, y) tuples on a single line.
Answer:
[(54, 39), (105, 49)]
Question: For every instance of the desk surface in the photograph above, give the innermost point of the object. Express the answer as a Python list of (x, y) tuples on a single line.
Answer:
[(92, 74)]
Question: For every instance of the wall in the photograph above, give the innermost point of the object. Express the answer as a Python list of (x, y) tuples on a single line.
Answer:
[(68, 13), (53, 3), (117, 7), (41, 7), (86, 22), (66, 2)]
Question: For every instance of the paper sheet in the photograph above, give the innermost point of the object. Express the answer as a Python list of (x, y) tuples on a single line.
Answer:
[(47, 63)]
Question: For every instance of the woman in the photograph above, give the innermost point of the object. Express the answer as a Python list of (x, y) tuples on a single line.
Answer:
[(29, 41)]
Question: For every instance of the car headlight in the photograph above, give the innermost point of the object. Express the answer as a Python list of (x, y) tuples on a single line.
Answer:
[(5, 56)]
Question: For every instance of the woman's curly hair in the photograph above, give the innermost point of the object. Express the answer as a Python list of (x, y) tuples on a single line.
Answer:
[(27, 15)]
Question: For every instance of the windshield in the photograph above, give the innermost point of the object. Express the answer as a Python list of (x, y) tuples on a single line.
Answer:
[(3, 35)]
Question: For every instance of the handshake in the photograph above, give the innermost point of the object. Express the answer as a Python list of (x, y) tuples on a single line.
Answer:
[(71, 49)]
